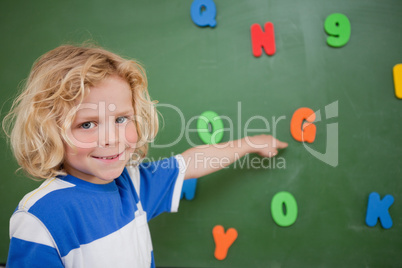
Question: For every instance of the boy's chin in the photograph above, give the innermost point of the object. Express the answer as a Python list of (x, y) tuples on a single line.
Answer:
[(109, 176)]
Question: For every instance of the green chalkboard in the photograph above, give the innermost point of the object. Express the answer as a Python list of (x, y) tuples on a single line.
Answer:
[(194, 69)]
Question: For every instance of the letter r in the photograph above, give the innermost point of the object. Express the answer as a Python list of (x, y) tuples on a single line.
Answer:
[(260, 39), (377, 208)]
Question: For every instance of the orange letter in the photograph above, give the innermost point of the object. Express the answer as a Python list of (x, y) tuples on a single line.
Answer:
[(301, 131), (223, 241), (263, 39)]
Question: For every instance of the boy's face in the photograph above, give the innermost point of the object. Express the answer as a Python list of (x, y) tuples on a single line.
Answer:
[(103, 132)]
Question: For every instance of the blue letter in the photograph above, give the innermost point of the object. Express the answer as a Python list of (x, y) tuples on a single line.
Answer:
[(188, 189), (378, 208), (203, 13)]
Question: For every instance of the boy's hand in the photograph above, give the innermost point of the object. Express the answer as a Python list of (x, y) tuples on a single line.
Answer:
[(205, 159), (265, 145)]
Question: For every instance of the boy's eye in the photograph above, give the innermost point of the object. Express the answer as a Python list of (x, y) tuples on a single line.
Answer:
[(121, 119), (87, 125)]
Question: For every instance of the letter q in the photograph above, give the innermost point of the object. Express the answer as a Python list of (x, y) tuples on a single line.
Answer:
[(203, 13)]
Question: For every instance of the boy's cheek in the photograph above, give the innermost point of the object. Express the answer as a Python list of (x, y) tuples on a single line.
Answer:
[(131, 135), (87, 141)]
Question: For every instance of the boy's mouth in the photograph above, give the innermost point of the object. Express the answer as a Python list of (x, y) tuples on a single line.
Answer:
[(107, 157)]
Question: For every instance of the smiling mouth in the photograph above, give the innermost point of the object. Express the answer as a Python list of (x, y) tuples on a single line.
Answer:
[(107, 157)]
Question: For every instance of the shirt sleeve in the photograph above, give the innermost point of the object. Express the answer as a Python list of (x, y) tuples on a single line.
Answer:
[(160, 185), (31, 244)]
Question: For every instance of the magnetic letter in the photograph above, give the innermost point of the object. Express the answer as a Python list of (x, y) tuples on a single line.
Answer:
[(397, 70), (280, 217), (260, 39), (188, 190), (300, 130), (203, 13), (223, 240), (377, 208), (203, 122), (337, 27)]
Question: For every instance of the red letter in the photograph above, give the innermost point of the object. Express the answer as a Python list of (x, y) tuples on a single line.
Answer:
[(303, 132), (263, 39)]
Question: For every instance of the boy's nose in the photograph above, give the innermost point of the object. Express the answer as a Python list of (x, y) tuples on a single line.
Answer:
[(107, 135)]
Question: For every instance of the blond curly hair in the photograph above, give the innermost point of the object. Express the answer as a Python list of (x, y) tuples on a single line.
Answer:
[(40, 116)]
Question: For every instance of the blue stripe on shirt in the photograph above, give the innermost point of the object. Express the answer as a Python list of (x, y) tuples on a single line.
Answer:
[(41, 255)]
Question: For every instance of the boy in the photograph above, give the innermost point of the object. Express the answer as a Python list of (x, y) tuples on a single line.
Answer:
[(83, 123)]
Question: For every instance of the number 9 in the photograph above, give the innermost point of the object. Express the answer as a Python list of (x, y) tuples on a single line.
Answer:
[(338, 27)]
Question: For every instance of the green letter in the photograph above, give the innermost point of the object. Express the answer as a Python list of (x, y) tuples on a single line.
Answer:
[(205, 134), (280, 217)]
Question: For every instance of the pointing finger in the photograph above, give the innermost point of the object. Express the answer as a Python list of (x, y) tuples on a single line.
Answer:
[(281, 144)]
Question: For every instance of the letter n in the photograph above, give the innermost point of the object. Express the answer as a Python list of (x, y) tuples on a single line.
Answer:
[(260, 39), (378, 209)]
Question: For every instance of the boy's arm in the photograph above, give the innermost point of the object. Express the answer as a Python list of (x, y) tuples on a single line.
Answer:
[(205, 159), (31, 243)]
